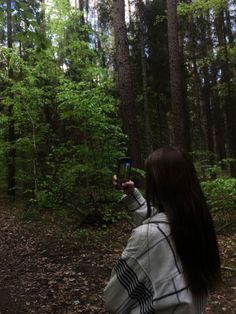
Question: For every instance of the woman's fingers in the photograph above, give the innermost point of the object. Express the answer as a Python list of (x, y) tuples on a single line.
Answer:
[(128, 187)]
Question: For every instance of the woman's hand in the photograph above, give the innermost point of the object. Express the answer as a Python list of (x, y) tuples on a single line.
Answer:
[(126, 187)]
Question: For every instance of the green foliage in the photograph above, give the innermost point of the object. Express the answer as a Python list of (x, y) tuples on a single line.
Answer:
[(208, 167), (204, 164), (58, 16), (83, 165), (200, 6), (107, 217), (221, 195), (67, 132), (31, 214), (114, 215), (160, 19)]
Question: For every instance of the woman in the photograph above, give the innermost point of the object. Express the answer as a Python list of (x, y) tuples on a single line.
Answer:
[(171, 261)]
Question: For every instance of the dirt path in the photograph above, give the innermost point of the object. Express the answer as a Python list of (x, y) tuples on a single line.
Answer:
[(42, 271)]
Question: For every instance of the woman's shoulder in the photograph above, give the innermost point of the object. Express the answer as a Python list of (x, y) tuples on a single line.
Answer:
[(159, 217), (152, 230), (153, 226)]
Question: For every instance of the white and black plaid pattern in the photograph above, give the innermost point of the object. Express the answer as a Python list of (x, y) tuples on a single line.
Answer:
[(140, 292), (148, 277)]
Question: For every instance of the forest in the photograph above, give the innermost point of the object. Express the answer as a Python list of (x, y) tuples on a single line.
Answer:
[(82, 79), (85, 82)]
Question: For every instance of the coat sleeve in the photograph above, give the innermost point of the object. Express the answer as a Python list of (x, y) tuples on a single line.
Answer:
[(136, 203), (129, 286)]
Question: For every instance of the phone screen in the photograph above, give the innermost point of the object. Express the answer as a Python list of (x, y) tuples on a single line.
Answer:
[(124, 169)]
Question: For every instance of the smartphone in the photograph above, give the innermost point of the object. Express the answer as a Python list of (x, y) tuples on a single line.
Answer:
[(124, 170)]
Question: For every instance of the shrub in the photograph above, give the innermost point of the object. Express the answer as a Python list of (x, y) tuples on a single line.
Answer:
[(221, 196)]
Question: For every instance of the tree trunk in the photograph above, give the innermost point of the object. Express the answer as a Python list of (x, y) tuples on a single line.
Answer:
[(87, 10), (218, 123), (229, 99), (129, 11), (205, 37), (198, 142), (81, 8), (124, 81), (184, 93), (218, 118), (147, 128), (177, 101), (42, 19), (229, 26), (207, 111), (11, 155), (219, 128)]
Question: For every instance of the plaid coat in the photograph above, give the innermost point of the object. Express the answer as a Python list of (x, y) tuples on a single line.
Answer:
[(148, 277)]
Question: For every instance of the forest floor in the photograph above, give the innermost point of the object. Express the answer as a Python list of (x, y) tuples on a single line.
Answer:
[(44, 269)]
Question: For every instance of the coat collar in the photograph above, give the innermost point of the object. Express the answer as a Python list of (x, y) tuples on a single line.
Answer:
[(157, 218)]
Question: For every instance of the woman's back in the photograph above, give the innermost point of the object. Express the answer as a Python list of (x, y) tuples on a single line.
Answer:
[(151, 272), (171, 261)]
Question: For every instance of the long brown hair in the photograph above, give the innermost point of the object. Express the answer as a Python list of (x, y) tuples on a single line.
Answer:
[(172, 185)]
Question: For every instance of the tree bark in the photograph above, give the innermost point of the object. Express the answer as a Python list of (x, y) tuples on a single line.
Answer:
[(124, 82), (218, 123), (206, 87), (198, 134), (229, 26), (81, 8), (129, 11), (184, 93), (42, 19), (219, 128), (11, 155), (229, 98), (147, 128), (177, 101), (206, 95)]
